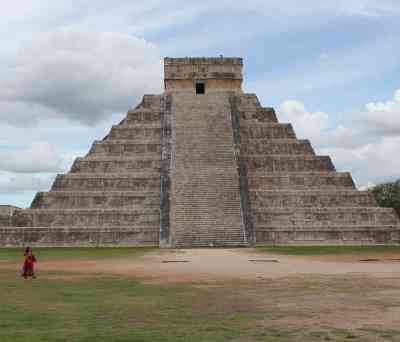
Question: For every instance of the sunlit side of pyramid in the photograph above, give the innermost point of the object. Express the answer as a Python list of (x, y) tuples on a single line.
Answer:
[(202, 164)]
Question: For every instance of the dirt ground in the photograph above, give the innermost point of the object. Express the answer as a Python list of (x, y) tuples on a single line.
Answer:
[(191, 265)]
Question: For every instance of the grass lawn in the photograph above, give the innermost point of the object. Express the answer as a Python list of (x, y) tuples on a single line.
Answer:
[(323, 250), (60, 306)]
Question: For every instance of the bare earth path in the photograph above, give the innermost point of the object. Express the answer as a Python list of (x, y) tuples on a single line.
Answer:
[(191, 265)]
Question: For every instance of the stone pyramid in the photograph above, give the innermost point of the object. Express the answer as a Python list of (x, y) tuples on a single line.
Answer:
[(202, 164)]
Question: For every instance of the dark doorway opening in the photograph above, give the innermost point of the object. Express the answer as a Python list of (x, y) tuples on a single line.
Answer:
[(200, 88)]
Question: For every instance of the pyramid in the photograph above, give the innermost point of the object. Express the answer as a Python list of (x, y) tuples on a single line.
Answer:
[(201, 165)]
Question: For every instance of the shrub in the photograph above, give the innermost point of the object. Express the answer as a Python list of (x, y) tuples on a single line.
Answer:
[(388, 195)]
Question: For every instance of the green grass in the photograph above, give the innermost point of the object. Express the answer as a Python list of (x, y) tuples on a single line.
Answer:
[(83, 253), (323, 250), (101, 308), (80, 307), (76, 307)]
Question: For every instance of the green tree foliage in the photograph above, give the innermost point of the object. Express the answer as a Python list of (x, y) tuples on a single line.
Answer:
[(388, 195)]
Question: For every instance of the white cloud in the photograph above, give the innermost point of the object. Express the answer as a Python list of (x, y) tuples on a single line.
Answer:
[(39, 157), (19, 183), (308, 125), (382, 118), (82, 76)]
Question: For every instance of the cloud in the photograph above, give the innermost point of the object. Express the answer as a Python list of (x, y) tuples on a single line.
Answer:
[(368, 145), (11, 184), (39, 157), (382, 118), (296, 113), (83, 76)]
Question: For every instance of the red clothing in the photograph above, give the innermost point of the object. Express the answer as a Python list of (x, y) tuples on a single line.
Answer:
[(28, 268)]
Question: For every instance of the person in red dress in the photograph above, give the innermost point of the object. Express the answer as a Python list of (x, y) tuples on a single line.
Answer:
[(28, 270)]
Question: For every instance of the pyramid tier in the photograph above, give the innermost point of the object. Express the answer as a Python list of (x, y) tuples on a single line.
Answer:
[(335, 216), (79, 237), (96, 199), (146, 163), (142, 115), (135, 132), (259, 114), (134, 181), (300, 180), (267, 131), (94, 218), (138, 125), (311, 198), (247, 102), (288, 163), (328, 235), (276, 147), (151, 101), (129, 148)]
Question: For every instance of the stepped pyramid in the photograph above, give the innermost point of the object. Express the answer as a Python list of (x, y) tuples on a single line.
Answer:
[(202, 164)]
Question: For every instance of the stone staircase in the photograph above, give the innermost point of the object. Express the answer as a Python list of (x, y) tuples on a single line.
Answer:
[(205, 194), (110, 197), (297, 197)]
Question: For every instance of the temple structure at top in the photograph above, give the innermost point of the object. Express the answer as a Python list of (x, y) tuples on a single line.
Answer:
[(203, 75), (203, 164)]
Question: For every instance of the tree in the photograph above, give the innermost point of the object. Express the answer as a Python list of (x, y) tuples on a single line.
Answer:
[(388, 195)]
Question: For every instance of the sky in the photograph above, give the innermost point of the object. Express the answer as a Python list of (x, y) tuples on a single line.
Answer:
[(71, 69)]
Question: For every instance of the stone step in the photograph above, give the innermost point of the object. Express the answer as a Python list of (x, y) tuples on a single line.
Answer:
[(124, 148), (96, 199), (202, 160), (94, 164), (311, 198), (196, 243), (289, 163), (300, 180), (85, 217), (209, 244), (292, 216), (121, 132), (211, 234), (276, 146), (211, 231), (328, 235), (267, 131), (134, 181), (258, 114)]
